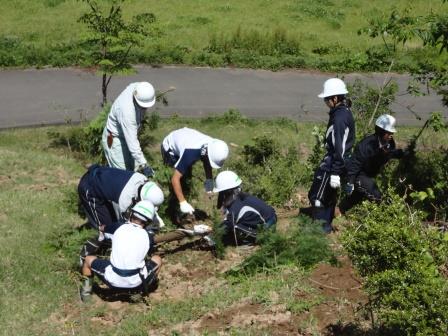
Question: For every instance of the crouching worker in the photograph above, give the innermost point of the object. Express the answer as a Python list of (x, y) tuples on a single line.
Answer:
[(369, 157), (127, 267), (245, 214)]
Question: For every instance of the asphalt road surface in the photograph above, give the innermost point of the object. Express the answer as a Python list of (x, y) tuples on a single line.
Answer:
[(52, 96)]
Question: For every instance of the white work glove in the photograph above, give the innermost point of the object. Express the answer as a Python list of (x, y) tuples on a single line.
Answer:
[(208, 185), (200, 229), (335, 181), (160, 221), (186, 208)]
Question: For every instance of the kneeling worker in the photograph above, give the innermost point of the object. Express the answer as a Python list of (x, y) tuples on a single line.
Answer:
[(127, 267), (245, 214), (369, 157)]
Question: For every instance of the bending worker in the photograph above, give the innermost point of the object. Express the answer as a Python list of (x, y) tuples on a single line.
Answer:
[(120, 142), (107, 193), (245, 214), (369, 157), (339, 139), (181, 149), (127, 267)]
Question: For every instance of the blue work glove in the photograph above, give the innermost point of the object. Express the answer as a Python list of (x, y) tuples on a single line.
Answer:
[(147, 171), (208, 185), (348, 188)]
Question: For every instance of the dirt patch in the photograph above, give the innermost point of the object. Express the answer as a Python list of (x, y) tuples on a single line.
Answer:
[(342, 293), (241, 315)]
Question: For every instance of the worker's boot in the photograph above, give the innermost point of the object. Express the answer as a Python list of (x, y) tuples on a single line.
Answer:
[(86, 289)]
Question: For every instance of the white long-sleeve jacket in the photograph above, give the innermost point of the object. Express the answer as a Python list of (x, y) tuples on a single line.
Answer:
[(125, 119)]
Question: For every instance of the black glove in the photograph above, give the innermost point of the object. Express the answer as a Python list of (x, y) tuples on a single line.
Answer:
[(147, 171), (398, 153)]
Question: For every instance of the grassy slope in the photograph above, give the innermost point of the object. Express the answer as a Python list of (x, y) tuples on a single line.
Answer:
[(40, 242), (190, 24)]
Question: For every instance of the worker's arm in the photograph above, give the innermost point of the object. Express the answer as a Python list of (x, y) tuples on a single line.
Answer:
[(177, 187), (208, 184)]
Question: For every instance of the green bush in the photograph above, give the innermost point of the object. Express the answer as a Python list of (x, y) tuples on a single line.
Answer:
[(304, 245), (85, 140), (269, 172), (401, 262)]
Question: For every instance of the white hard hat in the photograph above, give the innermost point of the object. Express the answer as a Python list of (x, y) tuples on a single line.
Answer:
[(333, 87), (144, 210), (226, 180), (145, 94), (386, 122), (217, 153), (151, 192)]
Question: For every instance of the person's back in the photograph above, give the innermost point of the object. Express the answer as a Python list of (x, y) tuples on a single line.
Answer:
[(130, 245), (369, 157), (249, 211)]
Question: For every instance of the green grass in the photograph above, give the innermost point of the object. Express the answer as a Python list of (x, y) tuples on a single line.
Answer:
[(40, 237), (40, 242), (325, 33)]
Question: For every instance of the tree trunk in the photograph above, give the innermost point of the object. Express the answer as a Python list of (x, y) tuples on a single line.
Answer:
[(104, 90)]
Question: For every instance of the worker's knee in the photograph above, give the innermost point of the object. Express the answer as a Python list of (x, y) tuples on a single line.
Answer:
[(89, 260)]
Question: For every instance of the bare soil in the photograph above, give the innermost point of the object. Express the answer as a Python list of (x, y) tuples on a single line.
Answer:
[(190, 271)]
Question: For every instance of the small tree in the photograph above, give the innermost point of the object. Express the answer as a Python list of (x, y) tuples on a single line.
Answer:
[(111, 38)]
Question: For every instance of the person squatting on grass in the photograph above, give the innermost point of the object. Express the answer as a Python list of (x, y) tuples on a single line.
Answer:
[(106, 194), (127, 267), (369, 157), (119, 141), (245, 214), (339, 139), (181, 149)]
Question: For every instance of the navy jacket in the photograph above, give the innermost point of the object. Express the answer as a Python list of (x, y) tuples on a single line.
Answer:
[(107, 183), (339, 140), (247, 212), (369, 157)]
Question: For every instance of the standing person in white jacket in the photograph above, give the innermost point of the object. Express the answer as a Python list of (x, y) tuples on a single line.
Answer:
[(120, 143)]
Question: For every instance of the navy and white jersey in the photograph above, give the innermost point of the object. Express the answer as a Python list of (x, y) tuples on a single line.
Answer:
[(339, 140), (370, 156), (248, 212), (187, 146), (115, 185)]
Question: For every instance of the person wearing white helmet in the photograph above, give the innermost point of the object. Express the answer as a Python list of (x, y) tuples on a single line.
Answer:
[(106, 194), (120, 143), (127, 267), (181, 149), (339, 139), (244, 214), (371, 154)]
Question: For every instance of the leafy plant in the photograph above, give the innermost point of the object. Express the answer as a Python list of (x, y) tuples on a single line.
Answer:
[(112, 38), (270, 172), (304, 245), (401, 262)]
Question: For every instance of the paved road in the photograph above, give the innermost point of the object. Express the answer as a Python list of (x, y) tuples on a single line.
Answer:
[(49, 96)]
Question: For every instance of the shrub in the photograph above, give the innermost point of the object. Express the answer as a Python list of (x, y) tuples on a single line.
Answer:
[(304, 245), (268, 172), (85, 140), (401, 263)]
